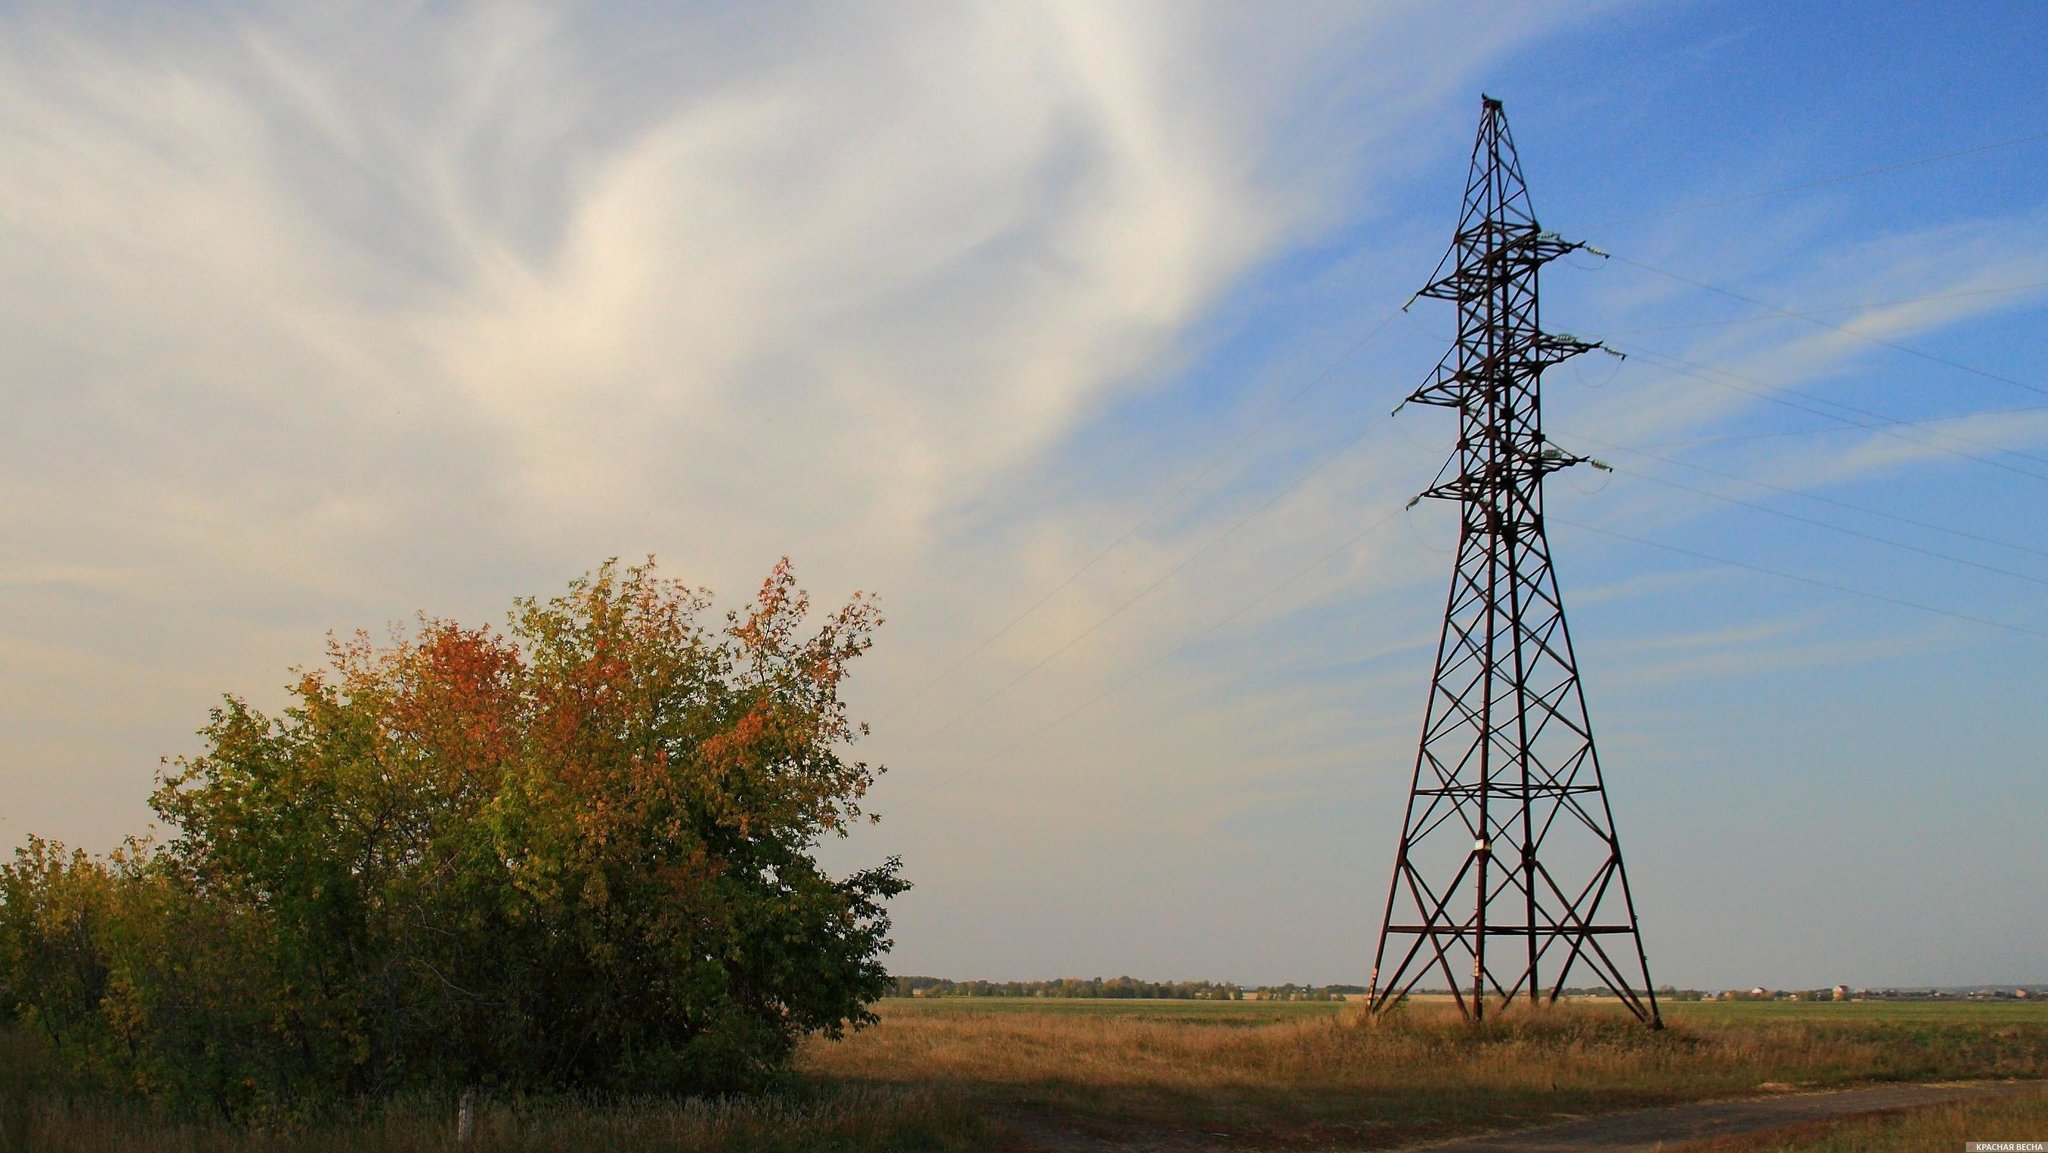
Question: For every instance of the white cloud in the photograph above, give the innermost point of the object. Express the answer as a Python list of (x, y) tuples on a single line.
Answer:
[(312, 321)]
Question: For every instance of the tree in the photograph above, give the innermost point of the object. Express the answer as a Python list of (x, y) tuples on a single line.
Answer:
[(576, 856)]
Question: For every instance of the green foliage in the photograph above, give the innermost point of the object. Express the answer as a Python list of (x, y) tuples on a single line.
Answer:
[(575, 857), (1071, 988)]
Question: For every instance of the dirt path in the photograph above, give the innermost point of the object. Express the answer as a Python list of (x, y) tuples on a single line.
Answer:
[(1646, 1130), (1639, 1132)]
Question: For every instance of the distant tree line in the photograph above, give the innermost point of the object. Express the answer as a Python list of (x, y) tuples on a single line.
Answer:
[(1126, 988), (578, 857)]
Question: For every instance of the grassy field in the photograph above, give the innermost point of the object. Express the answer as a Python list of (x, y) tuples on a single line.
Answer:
[(973, 1074), (1303, 1074), (2020, 1117)]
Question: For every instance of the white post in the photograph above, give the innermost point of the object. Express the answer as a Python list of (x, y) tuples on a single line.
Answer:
[(465, 1117)]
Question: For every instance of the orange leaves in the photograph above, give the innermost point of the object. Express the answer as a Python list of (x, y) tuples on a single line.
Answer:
[(468, 841), (455, 701)]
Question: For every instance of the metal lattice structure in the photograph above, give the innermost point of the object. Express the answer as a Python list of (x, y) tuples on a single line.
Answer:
[(1509, 876)]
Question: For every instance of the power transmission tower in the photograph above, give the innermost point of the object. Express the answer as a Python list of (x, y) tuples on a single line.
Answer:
[(1509, 874)]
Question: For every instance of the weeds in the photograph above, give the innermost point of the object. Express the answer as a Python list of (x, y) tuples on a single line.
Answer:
[(1417, 1073), (963, 1076), (2016, 1117), (868, 1120)]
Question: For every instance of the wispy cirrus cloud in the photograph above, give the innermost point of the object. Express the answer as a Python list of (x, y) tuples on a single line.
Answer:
[(310, 319), (313, 318)]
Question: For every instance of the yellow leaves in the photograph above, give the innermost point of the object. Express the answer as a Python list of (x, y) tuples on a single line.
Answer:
[(474, 831), (597, 892), (123, 1008)]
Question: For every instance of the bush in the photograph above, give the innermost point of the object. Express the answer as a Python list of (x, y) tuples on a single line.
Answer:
[(577, 857)]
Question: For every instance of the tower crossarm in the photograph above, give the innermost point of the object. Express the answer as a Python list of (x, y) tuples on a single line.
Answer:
[(1459, 381), (1490, 255), (1484, 483)]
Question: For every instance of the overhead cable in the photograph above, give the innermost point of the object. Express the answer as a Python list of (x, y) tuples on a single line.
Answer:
[(1917, 422), (1142, 521), (1813, 496), (1843, 329), (1161, 659), (1815, 581), (1752, 387), (1805, 313), (1809, 185), (1831, 527), (1141, 594)]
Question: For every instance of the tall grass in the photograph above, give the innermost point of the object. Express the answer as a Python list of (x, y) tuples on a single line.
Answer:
[(2014, 1117), (40, 1111), (863, 1119), (943, 1078), (1418, 1072)]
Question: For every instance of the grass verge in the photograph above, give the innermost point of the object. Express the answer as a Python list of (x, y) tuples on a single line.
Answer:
[(2016, 1117), (1338, 1078), (975, 1075)]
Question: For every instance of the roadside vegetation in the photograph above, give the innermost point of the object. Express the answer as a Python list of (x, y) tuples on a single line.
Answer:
[(566, 873), (1308, 1073), (2017, 1117), (573, 858), (959, 1074)]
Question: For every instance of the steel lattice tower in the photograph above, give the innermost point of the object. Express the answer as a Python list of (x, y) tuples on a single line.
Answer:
[(1509, 870)]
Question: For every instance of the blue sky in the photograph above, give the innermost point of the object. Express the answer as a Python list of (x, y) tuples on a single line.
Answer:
[(307, 323)]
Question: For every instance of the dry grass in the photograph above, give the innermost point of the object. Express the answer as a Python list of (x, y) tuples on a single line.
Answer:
[(985, 1075), (2015, 1117), (1416, 1075), (855, 1119), (38, 1112)]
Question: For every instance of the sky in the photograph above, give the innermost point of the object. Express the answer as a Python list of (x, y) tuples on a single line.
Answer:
[(1073, 331)]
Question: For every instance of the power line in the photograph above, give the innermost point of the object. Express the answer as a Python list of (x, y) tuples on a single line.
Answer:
[(1811, 316), (1844, 330), (1815, 581), (1142, 521), (1191, 558), (1865, 509), (1725, 379), (1805, 313), (1831, 527), (1917, 422), (1871, 420), (1184, 646), (1823, 183)]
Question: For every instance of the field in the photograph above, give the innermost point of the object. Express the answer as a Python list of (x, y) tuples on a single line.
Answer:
[(1291, 1075), (2020, 1117), (961, 1074)]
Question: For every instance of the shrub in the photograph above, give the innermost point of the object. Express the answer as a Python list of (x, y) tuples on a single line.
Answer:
[(578, 856)]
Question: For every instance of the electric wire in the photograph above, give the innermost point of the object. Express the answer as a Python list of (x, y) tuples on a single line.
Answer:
[(1141, 594), (1313, 383), (1802, 579), (1694, 441), (1806, 313), (1876, 423), (1843, 329), (1883, 425), (1161, 659), (1831, 527), (1805, 186), (1838, 503)]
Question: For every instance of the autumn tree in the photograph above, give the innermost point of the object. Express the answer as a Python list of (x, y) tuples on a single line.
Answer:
[(578, 854)]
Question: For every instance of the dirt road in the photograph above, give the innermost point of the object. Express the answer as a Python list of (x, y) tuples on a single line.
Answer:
[(1644, 1131), (1639, 1132)]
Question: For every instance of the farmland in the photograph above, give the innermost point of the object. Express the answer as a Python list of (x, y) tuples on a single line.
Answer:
[(1302, 1074), (958, 1074)]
